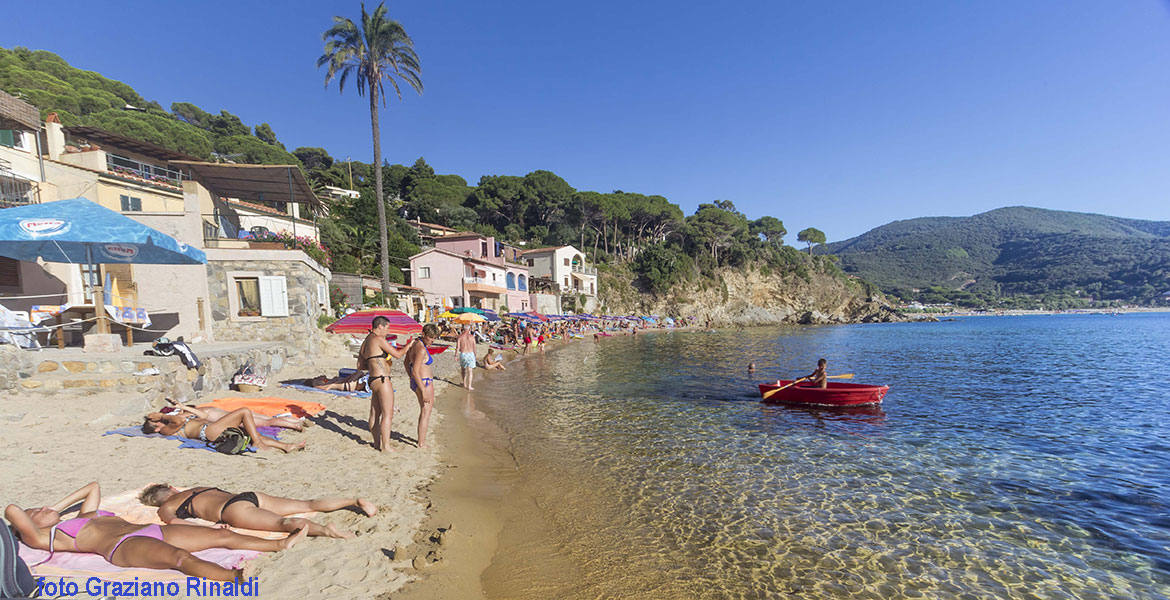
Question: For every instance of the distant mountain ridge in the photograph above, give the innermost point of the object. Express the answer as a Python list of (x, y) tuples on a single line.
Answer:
[(1014, 251)]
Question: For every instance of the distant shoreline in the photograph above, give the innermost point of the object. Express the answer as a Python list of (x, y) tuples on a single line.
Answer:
[(1023, 312)]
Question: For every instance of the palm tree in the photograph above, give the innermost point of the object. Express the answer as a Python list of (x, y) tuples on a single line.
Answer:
[(378, 51)]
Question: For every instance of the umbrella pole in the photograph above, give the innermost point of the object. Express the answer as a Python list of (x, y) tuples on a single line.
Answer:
[(99, 294)]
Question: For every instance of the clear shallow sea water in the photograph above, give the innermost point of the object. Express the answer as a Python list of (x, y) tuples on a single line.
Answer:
[(1014, 457)]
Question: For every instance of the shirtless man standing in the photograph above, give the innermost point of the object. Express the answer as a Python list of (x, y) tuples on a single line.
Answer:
[(422, 380), (372, 358), (465, 346)]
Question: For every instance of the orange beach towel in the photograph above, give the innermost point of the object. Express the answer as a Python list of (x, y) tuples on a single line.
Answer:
[(269, 406)]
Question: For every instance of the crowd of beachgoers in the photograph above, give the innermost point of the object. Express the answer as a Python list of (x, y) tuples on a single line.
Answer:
[(159, 526)]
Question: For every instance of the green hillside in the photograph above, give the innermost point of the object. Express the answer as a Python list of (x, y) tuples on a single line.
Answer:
[(1015, 256)]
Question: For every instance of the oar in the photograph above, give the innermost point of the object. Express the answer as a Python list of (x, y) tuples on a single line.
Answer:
[(771, 393)]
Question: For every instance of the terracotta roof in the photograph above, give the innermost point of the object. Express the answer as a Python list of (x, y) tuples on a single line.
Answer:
[(18, 114)]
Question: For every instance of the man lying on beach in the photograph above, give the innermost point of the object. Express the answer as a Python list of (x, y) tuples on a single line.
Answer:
[(358, 381), (196, 426), (491, 361), (214, 414), (249, 510), (133, 545)]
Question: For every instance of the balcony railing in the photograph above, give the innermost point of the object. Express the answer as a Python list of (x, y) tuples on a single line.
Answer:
[(127, 167), (16, 190), (584, 270), (483, 281)]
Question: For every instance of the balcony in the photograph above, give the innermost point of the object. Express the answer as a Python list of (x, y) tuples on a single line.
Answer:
[(141, 172), (16, 190), (584, 270), (483, 286)]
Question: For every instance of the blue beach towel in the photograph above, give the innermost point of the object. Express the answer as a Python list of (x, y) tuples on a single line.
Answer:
[(309, 388), (272, 432)]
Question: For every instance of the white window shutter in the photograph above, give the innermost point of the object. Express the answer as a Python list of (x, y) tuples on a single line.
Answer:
[(273, 296), (322, 295)]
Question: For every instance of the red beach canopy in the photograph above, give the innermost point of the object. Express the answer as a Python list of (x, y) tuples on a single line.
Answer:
[(362, 320)]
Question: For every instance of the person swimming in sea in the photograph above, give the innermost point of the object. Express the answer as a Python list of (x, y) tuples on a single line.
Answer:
[(422, 380), (751, 367)]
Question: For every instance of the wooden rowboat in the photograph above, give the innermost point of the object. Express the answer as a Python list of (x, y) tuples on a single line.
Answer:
[(837, 394)]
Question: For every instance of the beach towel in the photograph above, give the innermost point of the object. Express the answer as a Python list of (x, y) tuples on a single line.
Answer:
[(126, 506), (309, 388), (134, 431), (269, 406)]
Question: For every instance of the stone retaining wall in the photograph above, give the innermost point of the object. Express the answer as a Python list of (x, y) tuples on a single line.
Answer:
[(37, 372)]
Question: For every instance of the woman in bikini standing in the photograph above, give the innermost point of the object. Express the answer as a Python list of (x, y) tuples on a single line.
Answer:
[(371, 358), (422, 382), (133, 545)]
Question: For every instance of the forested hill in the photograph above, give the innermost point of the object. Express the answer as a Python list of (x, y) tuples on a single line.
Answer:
[(646, 248), (1015, 256)]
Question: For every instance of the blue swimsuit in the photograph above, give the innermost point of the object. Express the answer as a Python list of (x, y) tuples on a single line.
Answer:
[(426, 381)]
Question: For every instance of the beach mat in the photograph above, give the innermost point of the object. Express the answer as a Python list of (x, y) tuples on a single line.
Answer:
[(269, 406), (136, 431), (126, 506), (309, 388)]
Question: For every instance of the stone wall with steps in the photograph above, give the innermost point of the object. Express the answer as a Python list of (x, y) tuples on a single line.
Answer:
[(24, 372)]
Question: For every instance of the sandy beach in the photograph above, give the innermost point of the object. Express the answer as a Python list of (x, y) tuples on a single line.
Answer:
[(55, 445)]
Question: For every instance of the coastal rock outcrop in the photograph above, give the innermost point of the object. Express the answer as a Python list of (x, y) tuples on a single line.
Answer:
[(751, 297)]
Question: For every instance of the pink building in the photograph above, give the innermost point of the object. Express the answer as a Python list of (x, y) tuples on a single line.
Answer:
[(483, 249)]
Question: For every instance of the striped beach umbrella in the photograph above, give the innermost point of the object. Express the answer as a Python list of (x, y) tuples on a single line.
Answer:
[(362, 320)]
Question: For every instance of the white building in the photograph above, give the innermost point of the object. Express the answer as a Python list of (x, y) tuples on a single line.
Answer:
[(566, 267)]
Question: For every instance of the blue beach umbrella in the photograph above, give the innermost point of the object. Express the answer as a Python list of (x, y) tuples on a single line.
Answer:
[(490, 315), (82, 232)]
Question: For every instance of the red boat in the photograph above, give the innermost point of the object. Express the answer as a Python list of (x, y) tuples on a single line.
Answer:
[(837, 394)]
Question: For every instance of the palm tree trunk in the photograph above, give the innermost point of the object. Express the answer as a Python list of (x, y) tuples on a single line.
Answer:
[(382, 235)]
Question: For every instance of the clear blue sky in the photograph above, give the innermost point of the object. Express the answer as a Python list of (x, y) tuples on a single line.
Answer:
[(840, 115)]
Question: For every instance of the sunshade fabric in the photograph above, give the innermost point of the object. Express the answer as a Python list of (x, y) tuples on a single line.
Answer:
[(79, 231), (362, 320)]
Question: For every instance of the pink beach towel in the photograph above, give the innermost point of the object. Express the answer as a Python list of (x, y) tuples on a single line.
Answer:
[(127, 506)]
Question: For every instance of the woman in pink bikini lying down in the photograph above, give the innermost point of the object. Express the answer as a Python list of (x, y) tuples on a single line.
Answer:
[(133, 545)]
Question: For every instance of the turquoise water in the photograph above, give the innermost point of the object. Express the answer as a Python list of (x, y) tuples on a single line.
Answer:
[(1015, 457)]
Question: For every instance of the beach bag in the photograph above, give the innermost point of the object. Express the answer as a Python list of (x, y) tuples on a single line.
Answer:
[(232, 440), (249, 379), (15, 579)]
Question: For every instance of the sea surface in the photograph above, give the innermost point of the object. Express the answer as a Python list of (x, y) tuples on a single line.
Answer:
[(1014, 457)]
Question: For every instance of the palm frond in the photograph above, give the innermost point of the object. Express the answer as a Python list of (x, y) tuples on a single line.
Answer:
[(374, 53)]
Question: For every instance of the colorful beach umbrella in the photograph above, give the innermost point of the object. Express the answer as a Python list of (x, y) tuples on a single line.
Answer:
[(469, 317), (467, 309), (448, 315), (362, 320)]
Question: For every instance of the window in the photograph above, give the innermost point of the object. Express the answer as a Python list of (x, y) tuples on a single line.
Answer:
[(531, 263), (9, 272), (131, 204), (566, 262), (424, 272), (511, 281), (523, 284), (248, 294), (273, 296), (11, 138), (483, 248), (566, 282)]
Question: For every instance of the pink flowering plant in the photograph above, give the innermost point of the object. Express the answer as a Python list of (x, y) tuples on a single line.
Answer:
[(308, 245)]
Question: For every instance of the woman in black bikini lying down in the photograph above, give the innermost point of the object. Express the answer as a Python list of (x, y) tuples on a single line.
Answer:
[(133, 545), (358, 381), (249, 510), (196, 426)]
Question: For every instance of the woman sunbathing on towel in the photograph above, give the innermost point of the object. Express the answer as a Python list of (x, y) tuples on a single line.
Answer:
[(214, 414), (133, 545), (196, 426), (249, 510)]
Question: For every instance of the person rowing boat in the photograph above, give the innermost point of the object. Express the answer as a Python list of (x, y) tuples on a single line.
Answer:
[(820, 377)]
